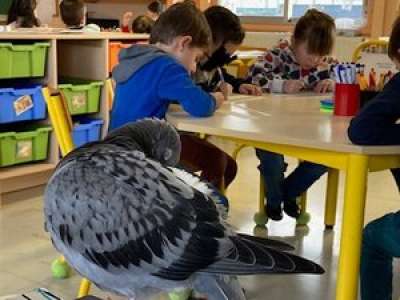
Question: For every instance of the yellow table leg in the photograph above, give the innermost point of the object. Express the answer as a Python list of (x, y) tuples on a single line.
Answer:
[(84, 288), (304, 217), (353, 221), (237, 150), (261, 218), (331, 198)]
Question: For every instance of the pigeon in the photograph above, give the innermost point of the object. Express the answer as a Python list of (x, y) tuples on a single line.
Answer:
[(125, 217)]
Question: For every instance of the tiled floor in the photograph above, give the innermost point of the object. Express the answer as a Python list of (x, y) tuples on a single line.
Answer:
[(26, 252)]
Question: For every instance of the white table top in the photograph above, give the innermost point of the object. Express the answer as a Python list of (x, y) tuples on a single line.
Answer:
[(279, 119)]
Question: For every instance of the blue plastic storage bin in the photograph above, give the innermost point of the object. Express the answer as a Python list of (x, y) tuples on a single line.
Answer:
[(22, 104), (87, 130)]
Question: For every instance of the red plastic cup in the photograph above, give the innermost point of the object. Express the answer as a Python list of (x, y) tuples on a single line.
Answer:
[(347, 99)]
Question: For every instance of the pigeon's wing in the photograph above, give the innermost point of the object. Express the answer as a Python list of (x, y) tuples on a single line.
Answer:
[(119, 209), (204, 187)]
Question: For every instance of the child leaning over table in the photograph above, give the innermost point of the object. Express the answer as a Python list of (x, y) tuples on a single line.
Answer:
[(376, 124), (291, 67)]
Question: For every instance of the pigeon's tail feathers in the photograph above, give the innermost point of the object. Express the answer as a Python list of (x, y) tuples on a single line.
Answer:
[(252, 257)]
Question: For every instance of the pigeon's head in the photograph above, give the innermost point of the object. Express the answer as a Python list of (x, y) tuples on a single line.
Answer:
[(156, 138), (165, 141)]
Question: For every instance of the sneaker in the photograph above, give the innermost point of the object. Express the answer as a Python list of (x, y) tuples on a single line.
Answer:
[(274, 213), (291, 208)]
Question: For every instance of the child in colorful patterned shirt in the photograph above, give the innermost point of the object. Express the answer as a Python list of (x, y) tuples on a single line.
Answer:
[(290, 68), (303, 63)]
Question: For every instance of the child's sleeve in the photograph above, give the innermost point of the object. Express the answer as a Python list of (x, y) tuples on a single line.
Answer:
[(176, 85), (233, 81), (267, 72), (322, 72), (376, 123)]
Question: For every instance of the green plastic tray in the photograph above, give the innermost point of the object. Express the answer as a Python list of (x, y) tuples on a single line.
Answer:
[(82, 97), (19, 61), (26, 146)]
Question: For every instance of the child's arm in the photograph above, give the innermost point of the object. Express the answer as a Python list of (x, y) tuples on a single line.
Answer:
[(321, 79), (240, 85), (233, 81), (376, 123), (176, 85), (264, 72)]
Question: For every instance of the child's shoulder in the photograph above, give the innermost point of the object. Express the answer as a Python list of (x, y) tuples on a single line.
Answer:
[(280, 52)]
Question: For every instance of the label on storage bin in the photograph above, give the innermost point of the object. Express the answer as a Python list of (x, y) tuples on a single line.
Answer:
[(78, 101), (24, 149), (23, 104)]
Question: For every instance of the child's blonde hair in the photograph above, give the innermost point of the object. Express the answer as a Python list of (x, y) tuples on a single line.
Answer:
[(316, 29)]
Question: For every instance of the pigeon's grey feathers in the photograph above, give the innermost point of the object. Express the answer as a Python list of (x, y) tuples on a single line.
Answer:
[(132, 226)]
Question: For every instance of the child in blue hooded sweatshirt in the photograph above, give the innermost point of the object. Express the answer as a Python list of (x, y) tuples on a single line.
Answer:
[(151, 77)]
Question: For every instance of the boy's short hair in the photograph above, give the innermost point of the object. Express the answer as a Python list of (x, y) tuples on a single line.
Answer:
[(316, 29), (155, 7), (142, 24), (72, 12), (182, 20), (394, 41), (225, 25)]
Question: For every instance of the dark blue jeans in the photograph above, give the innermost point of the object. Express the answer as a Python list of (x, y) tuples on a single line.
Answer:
[(381, 243), (278, 188)]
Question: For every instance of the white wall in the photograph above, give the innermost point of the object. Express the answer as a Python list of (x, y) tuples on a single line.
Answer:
[(45, 10)]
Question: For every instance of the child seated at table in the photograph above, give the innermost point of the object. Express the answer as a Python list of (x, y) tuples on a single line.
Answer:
[(22, 14), (151, 77), (73, 14), (142, 24), (376, 124), (227, 36), (290, 68)]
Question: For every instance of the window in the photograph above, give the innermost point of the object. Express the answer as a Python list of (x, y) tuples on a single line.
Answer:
[(256, 8), (284, 10)]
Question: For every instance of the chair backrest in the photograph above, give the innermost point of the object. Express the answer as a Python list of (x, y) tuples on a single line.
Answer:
[(373, 54), (60, 119)]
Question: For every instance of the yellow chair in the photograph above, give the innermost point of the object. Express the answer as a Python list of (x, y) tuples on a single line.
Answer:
[(364, 45), (62, 124)]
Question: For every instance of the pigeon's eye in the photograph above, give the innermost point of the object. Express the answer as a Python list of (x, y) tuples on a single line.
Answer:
[(167, 154)]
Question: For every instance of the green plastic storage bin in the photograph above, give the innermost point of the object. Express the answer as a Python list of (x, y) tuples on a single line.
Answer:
[(82, 96), (26, 146), (19, 61)]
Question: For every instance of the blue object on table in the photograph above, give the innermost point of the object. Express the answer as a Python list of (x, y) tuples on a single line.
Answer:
[(88, 130), (327, 102), (22, 104)]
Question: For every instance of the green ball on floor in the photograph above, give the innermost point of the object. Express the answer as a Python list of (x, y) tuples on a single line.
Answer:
[(182, 295), (260, 219), (60, 269), (303, 219)]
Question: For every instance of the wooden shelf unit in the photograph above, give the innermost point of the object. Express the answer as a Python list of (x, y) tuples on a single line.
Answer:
[(70, 55)]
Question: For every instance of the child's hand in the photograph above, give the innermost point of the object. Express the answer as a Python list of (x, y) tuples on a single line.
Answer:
[(293, 86), (219, 99), (226, 89), (250, 89), (127, 18), (324, 86)]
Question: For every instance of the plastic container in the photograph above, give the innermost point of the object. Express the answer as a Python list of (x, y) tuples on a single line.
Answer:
[(82, 96), (114, 49), (87, 130), (347, 99), (19, 61), (22, 104), (26, 146)]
